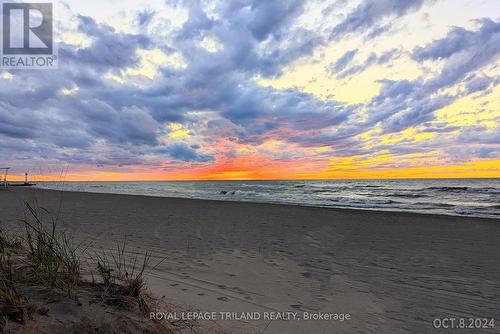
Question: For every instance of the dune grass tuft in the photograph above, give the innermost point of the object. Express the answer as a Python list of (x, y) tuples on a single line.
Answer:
[(42, 255), (130, 270), (13, 305), (52, 254), (123, 275), (8, 242), (44, 258)]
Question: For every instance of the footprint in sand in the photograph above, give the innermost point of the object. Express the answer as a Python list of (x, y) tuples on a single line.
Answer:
[(306, 274), (174, 284), (224, 299), (296, 306), (201, 294)]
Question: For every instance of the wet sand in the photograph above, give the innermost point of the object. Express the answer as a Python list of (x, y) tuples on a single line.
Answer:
[(391, 272)]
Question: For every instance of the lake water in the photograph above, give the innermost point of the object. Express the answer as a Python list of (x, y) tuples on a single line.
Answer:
[(470, 197)]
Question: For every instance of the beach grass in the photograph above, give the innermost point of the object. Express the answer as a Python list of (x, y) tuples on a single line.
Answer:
[(129, 271), (45, 257), (52, 255), (123, 277), (13, 305)]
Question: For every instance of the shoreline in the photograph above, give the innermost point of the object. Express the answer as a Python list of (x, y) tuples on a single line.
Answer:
[(391, 272), (335, 208)]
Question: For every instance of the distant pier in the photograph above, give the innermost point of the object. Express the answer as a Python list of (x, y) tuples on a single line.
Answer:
[(21, 184), (4, 184)]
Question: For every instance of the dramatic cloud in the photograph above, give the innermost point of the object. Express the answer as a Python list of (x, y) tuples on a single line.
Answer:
[(370, 13), (373, 59), (464, 51), (109, 48), (343, 61), (183, 152), (184, 86), (404, 104)]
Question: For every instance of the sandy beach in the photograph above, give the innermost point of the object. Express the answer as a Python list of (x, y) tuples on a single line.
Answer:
[(391, 272)]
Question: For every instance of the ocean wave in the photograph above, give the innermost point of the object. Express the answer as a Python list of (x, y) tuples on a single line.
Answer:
[(322, 191), (367, 201), (437, 205), (367, 186), (483, 190), (448, 188), (406, 195), (465, 210), (486, 190)]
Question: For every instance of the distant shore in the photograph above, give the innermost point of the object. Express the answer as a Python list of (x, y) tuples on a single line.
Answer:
[(392, 272)]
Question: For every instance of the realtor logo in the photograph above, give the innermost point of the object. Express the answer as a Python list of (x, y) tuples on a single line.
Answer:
[(27, 36)]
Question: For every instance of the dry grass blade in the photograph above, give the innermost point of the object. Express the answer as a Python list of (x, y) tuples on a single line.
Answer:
[(52, 255), (130, 271), (13, 306)]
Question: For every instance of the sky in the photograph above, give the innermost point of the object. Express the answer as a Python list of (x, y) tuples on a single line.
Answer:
[(260, 89)]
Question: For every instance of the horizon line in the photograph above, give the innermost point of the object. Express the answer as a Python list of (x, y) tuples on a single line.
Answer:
[(292, 179)]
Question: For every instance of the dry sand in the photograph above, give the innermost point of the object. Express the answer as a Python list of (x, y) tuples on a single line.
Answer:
[(392, 272)]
